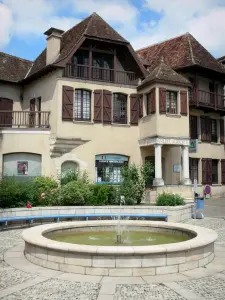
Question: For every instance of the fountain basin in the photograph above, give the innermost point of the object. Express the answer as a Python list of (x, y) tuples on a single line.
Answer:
[(196, 252)]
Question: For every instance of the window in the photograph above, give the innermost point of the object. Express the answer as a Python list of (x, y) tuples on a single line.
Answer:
[(214, 137), (69, 166), (193, 166), (81, 58), (108, 168), (171, 102), (214, 171), (82, 105), (193, 127), (120, 108), (102, 67), (80, 64)]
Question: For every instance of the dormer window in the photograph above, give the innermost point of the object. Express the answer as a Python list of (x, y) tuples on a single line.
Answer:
[(171, 102)]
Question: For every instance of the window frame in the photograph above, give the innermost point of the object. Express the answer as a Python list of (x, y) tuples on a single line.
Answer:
[(170, 110), (75, 105), (121, 120), (216, 169)]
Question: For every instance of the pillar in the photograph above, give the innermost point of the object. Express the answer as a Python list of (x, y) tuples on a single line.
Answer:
[(158, 181), (185, 167)]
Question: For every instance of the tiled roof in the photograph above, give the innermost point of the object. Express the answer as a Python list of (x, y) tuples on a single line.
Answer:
[(13, 68), (179, 52), (164, 73), (93, 26), (221, 59)]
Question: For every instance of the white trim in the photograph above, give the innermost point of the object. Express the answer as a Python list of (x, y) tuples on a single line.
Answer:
[(17, 131), (164, 141)]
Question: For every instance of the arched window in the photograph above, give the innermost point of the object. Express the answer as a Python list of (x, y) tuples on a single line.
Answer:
[(69, 165), (119, 108), (82, 105)]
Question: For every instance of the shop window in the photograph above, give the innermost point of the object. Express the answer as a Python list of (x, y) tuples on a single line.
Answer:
[(108, 168), (215, 171), (119, 108), (193, 166), (22, 165), (82, 105), (171, 102)]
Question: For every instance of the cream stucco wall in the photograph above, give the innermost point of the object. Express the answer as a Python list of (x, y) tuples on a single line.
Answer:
[(11, 91), (102, 139), (12, 141), (163, 124)]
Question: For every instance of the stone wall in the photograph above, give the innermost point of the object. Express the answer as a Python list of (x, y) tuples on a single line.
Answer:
[(175, 214)]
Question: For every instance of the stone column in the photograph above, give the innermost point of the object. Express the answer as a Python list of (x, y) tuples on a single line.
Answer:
[(185, 156), (158, 181)]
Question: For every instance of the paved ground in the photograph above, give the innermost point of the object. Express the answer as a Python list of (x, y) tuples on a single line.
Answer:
[(21, 280)]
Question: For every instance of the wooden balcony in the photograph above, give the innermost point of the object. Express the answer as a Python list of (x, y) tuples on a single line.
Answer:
[(206, 100), (24, 119), (100, 74)]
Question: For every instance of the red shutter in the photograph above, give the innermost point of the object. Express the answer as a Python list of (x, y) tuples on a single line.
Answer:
[(183, 103), (107, 105), (140, 106), (134, 109), (221, 131), (209, 171), (67, 103), (152, 101), (204, 171), (223, 171), (98, 105), (162, 101)]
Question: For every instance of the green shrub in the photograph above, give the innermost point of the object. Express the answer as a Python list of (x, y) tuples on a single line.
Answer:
[(14, 193), (147, 172), (169, 199), (44, 186), (102, 194), (74, 175), (74, 193), (133, 184)]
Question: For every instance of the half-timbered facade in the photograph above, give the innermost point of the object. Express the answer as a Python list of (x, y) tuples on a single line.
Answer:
[(89, 101)]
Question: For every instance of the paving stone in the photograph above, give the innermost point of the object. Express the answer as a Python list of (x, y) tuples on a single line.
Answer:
[(146, 292), (54, 289)]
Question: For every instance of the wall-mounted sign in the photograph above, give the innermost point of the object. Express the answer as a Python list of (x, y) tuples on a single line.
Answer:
[(193, 148), (176, 168), (22, 167)]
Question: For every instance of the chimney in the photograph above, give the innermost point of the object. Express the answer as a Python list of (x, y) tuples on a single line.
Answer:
[(54, 36)]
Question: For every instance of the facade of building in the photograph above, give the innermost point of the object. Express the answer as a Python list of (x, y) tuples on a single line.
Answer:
[(89, 101)]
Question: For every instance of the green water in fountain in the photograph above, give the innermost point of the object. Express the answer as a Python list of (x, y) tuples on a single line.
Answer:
[(108, 238)]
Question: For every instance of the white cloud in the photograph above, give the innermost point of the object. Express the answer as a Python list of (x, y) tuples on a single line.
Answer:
[(5, 24), (204, 19)]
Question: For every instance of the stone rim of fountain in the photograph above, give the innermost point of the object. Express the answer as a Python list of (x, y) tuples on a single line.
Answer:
[(119, 260)]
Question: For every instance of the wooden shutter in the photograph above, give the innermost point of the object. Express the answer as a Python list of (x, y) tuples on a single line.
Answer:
[(209, 171), (140, 106), (6, 117), (223, 171), (162, 101), (193, 127), (152, 101), (134, 115), (98, 105), (221, 131), (107, 106), (67, 103), (183, 103), (204, 171)]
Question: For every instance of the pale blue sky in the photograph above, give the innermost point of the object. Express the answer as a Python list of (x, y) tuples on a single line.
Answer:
[(142, 22)]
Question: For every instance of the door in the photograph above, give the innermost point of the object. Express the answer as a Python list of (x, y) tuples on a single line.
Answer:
[(6, 109), (32, 113)]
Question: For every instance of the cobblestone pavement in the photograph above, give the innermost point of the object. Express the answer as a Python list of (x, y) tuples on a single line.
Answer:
[(19, 282)]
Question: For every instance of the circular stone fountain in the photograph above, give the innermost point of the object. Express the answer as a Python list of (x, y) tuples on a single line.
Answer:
[(195, 247)]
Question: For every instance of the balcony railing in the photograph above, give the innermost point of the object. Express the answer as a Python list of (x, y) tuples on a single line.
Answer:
[(206, 99), (100, 74), (24, 119)]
